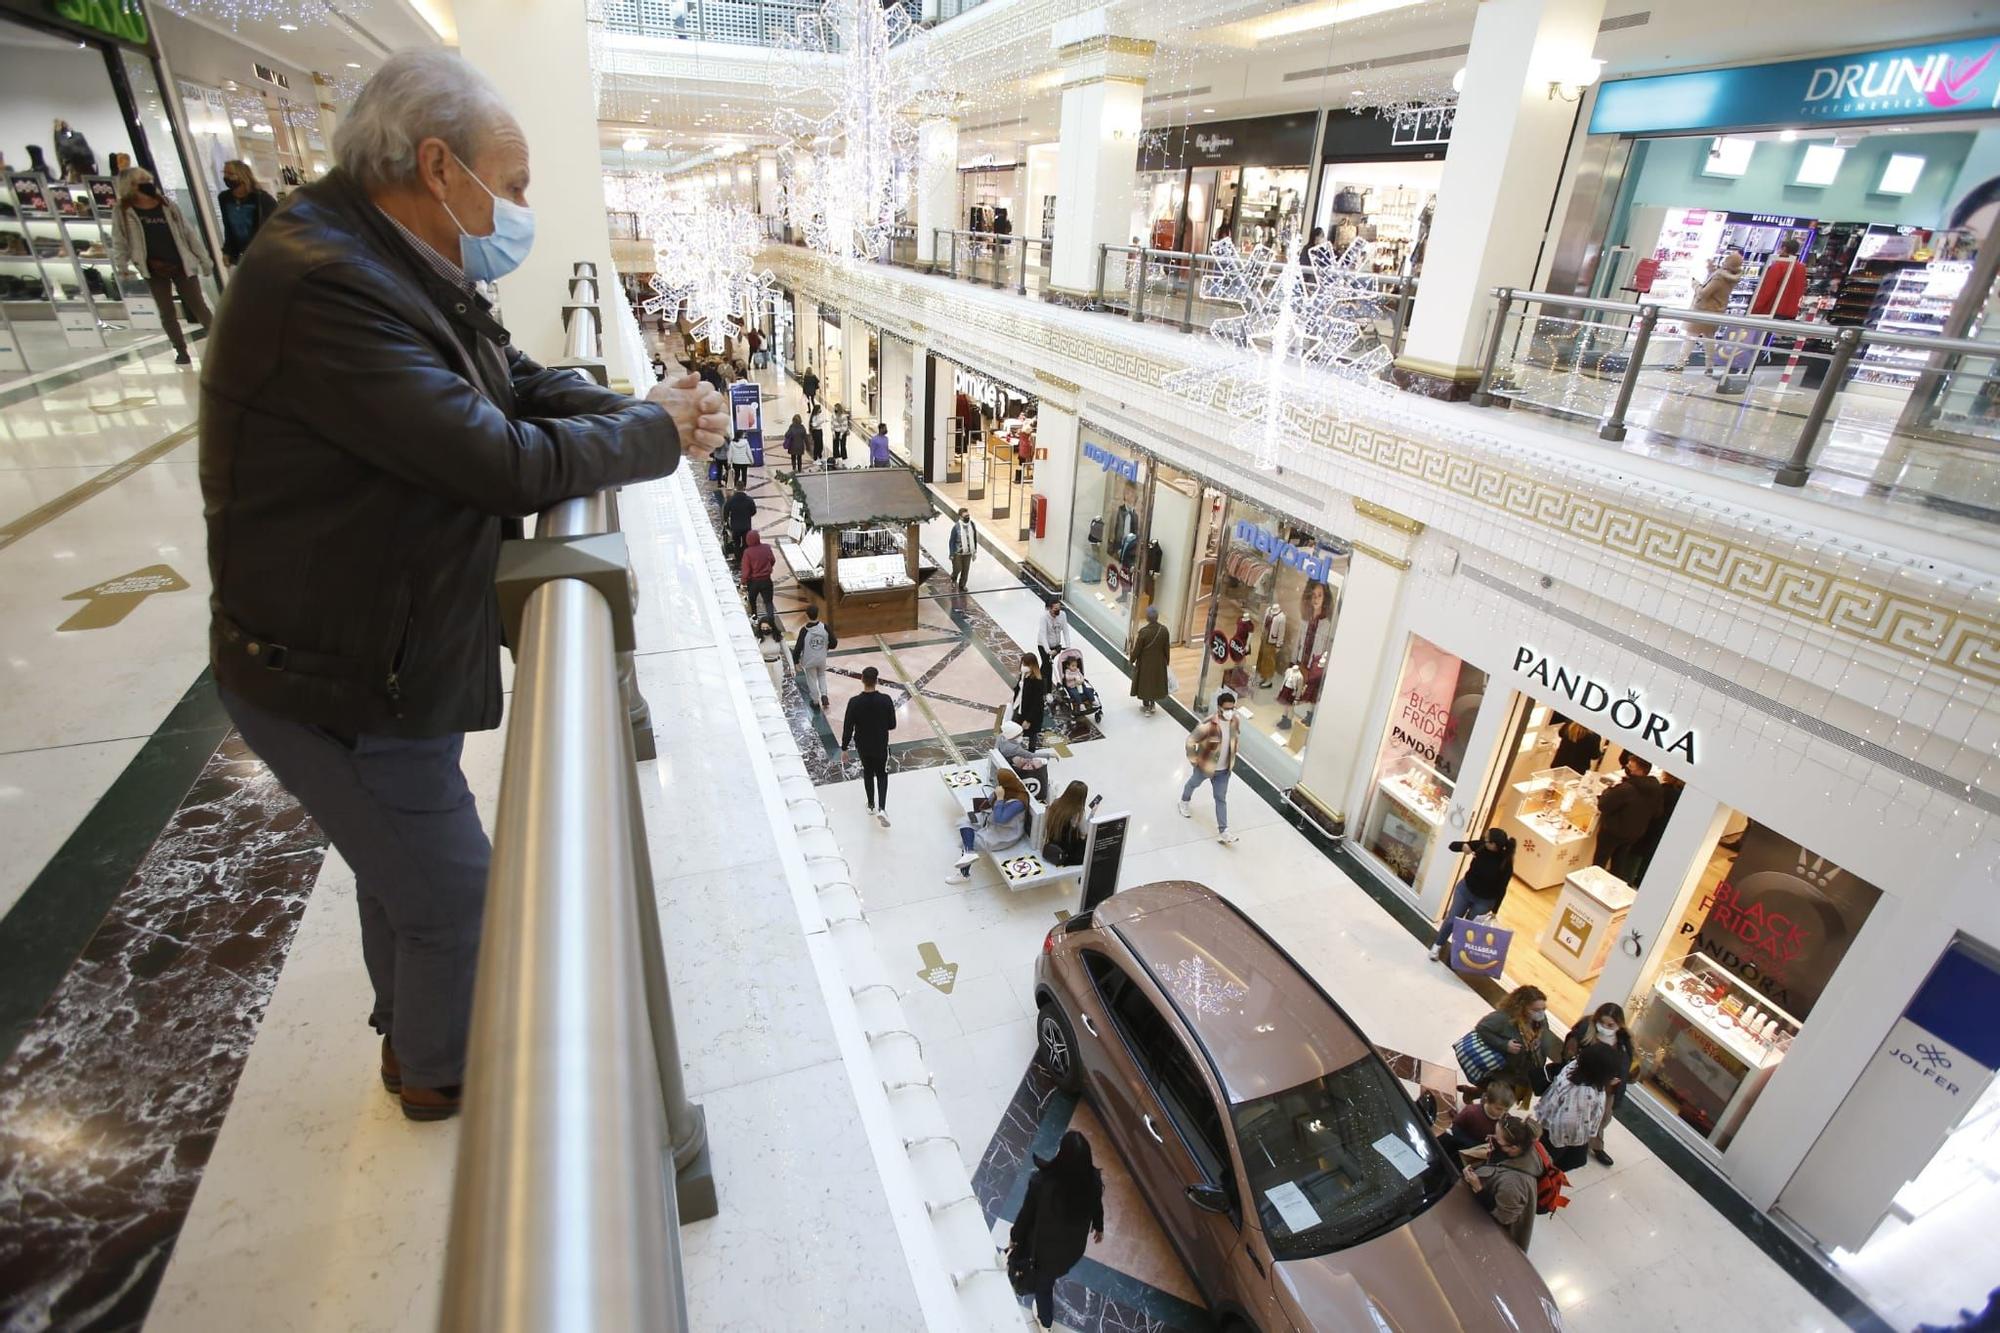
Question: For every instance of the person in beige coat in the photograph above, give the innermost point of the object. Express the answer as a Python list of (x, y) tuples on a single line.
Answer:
[(1712, 296)]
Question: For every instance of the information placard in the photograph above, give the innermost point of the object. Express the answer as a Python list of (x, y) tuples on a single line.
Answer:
[(1103, 856)]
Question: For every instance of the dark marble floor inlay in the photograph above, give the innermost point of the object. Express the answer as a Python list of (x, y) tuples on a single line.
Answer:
[(111, 1103)]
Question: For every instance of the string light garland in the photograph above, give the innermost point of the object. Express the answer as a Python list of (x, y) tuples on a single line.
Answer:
[(235, 13)]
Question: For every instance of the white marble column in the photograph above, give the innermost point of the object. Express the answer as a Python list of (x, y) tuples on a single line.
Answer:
[(937, 185), (536, 52), (1500, 174), (1097, 159)]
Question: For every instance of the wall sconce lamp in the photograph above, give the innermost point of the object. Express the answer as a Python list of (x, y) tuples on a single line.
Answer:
[(1569, 82)]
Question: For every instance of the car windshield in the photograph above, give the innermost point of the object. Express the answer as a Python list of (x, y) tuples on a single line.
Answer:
[(1337, 1161)]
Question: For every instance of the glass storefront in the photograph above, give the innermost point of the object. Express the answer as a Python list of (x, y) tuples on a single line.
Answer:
[(1417, 765), (1276, 598), (1764, 924), (1107, 515)]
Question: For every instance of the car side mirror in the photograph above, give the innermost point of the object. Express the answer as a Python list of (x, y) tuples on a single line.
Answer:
[(1209, 1198)]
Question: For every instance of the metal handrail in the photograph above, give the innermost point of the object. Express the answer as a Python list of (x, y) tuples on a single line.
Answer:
[(1847, 342), (1398, 290), (575, 1110)]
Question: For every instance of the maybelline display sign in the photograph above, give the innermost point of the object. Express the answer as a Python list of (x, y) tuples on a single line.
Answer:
[(1596, 704), (1936, 79)]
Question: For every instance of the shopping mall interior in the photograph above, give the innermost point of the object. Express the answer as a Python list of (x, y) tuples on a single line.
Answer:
[(1383, 615)]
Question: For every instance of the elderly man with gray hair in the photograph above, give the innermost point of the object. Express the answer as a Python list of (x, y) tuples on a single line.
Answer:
[(368, 438)]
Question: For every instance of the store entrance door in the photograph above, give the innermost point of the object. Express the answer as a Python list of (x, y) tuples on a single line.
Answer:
[(1903, 1187)]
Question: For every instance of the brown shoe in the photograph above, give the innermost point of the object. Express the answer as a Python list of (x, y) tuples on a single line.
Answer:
[(392, 1071), (430, 1103)]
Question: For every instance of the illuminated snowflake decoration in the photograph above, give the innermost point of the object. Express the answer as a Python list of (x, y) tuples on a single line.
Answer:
[(847, 158), (704, 254), (1307, 338), (1195, 984)]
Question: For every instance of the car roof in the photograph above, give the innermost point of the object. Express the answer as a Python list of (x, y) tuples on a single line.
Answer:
[(1264, 1023)]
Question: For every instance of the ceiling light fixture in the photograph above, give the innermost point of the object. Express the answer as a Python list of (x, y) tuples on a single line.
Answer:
[(635, 144), (288, 27)]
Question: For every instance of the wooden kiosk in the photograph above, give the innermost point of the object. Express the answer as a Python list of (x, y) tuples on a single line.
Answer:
[(865, 569)]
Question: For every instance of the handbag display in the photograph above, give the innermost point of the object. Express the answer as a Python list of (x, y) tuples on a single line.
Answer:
[(1478, 1060)]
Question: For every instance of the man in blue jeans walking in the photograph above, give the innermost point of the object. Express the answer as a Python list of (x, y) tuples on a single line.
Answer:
[(368, 439), (1211, 752)]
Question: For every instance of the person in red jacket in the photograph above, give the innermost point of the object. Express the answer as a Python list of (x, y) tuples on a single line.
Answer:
[(759, 561), (1782, 289)]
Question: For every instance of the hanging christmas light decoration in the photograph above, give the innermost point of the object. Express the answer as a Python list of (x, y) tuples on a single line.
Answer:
[(846, 159), (704, 253), (1307, 337), (290, 15)]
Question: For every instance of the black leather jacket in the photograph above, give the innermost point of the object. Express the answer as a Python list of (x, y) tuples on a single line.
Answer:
[(367, 439)]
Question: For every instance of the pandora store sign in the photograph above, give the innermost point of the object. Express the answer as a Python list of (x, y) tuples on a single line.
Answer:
[(1622, 709)]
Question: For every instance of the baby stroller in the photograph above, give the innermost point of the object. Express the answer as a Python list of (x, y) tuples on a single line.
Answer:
[(1072, 699)]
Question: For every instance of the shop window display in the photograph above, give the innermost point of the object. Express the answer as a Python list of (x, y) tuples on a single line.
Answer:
[(1417, 768), (1766, 925), (1277, 597), (1105, 521)]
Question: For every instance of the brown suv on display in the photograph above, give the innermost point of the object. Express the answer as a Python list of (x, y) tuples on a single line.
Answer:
[(1285, 1162)]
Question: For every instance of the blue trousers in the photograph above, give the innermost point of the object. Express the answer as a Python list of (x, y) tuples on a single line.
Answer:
[(403, 819), (1462, 904), (1219, 782)]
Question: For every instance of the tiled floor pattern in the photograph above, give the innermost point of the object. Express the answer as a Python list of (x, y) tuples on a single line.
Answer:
[(951, 677)]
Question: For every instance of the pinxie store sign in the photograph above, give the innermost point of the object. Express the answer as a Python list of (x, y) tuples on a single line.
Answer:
[(1622, 710)]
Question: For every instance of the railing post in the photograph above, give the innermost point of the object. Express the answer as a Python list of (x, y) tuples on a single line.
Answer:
[(1482, 396), (1401, 322), (1103, 256), (1139, 291), (1187, 306), (1021, 287), (1799, 466), (1614, 425), (954, 251)]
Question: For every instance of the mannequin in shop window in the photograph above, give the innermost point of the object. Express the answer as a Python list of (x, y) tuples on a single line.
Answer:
[(1270, 646)]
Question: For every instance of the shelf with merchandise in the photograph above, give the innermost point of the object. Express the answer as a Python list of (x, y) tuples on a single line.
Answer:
[(1419, 788)]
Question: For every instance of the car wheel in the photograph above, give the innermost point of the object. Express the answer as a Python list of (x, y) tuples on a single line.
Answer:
[(1058, 1045)]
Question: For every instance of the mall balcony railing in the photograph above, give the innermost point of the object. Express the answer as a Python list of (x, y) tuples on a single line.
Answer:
[(772, 23), (1173, 287), (1771, 393), (579, 1154)]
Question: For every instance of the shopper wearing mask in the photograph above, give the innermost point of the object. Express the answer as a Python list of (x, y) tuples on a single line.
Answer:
[(1572, 1111), (1606, 1027), (964, 545), (871, 716), (1483, 886), (816, 429), (1211, 753), (150, 234), (739, 459), (1519, 1030), (1713, 297), (843, 424), (245, 209), (1031, 695), (1151, 653), (771, 647), (878, 447), (1051, 635), (368, 439), (1506, 1182)]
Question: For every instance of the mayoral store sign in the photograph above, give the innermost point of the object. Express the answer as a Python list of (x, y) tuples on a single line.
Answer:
[(1586, 698), (1959, 78)]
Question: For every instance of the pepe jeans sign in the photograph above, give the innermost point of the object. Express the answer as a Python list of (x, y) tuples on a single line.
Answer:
[(1127, 468), (1623, 711), (1278, 551)]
